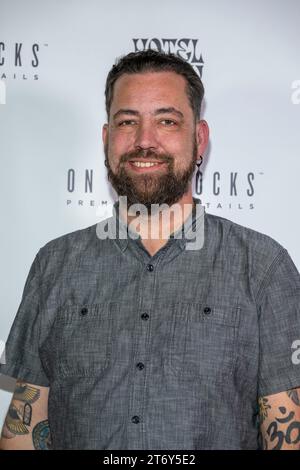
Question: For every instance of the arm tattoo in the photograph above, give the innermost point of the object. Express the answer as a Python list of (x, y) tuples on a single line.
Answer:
[(283, 429), (263, 408), (294, 396), (25, 393), (27, 414), (41, 436), (13, 424), (19, 414)]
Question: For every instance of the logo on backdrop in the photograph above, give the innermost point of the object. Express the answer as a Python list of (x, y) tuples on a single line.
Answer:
[(20, 60), (219, 190), (184, 48)]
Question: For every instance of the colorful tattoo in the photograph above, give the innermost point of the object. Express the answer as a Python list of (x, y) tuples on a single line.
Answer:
[(13, 424), (263, 408), (27, 414), (19, 414), (41, 436)]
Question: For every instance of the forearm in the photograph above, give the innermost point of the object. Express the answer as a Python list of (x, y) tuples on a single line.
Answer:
[(26, 424), (280, 421)]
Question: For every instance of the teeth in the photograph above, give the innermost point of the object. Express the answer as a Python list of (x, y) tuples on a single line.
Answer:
[(144, 164)]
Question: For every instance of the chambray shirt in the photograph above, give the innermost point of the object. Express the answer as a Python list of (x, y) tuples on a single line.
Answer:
[(169, 351)]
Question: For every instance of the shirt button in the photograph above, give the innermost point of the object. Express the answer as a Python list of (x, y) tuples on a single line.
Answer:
[(150, 267), (140, 366), (145, 316), (207, 310), (84, 311), (135, 419)]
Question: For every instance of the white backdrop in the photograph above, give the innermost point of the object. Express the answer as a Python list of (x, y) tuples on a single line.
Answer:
[(54, 58)]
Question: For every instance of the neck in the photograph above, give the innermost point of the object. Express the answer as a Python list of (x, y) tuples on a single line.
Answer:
[(159, 226)]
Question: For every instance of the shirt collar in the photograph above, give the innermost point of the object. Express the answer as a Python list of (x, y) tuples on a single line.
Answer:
[(183, 235)]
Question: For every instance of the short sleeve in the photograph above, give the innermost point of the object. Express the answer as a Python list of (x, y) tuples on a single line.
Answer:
[(21, 358), (279, 327)]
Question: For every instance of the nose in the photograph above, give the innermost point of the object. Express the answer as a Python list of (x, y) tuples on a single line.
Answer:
[(145, 137)]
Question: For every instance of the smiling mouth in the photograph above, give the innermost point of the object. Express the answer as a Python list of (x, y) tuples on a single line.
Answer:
[(146, 166), (139, 164)]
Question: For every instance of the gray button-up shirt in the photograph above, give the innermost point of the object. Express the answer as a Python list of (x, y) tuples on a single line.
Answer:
[(162, 352)]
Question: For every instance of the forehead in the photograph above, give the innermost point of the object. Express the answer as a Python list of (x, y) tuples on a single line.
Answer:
[(151, 88)]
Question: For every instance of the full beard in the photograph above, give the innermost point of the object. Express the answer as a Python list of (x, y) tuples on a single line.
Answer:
[(145, 189)]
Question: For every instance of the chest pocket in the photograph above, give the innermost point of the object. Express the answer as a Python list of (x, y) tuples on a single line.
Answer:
[(202, 341), (80, 341)]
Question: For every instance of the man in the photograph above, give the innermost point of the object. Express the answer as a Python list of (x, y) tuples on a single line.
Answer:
[(138, 342)]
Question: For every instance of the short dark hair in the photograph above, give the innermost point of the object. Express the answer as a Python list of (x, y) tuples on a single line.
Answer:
[(153, 61)]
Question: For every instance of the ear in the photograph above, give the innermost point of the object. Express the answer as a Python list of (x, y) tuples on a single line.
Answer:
[(202, 136), (105, 134)]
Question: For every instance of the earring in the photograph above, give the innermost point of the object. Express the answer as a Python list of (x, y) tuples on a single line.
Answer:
[(198, 179), (199, 162)]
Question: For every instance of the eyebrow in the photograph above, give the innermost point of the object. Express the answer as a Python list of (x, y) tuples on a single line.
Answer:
[(169, 110)]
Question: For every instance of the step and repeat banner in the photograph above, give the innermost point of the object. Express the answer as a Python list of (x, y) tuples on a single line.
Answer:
[(54, 59)]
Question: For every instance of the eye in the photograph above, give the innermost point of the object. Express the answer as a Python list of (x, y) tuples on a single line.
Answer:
[(169, 122), (125, 123)]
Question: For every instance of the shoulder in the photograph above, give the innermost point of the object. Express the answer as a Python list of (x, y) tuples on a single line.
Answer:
[(66, 251), (243, 247), (75, 241), (238, 235)]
